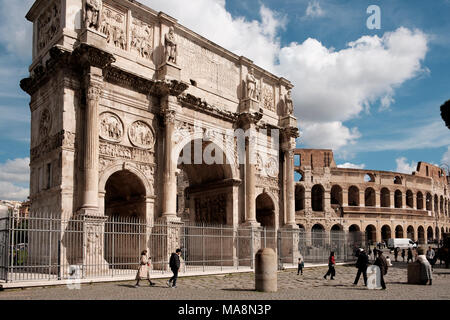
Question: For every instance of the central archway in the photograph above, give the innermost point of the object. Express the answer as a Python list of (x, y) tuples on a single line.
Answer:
[(371, 234), (385, 233), (207, 185)]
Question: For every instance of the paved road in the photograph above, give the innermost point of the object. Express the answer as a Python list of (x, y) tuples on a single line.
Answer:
[(310, 286)]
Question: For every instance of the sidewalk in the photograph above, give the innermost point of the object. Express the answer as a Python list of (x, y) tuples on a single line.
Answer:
[(159, 275)]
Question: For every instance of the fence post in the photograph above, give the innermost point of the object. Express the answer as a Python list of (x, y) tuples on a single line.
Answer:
[(12, 236), (280, 259), (221, 247), (203, 246), (50, 246), (7, 243), (252, 255), (59, 258)]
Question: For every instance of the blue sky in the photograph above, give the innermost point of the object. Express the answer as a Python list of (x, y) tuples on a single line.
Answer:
[(375, 102)]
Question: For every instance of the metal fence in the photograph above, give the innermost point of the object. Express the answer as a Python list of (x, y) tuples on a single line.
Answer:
[(46, 247), (315, 246)]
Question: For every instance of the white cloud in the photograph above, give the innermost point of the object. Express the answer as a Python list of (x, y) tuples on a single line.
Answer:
[(9, 191), (446, 157), (257, 40), (335, 86), (331, 134), (15, 30), (331, 86), (350, 165), (314, 9), (404, 167), (13, 175)]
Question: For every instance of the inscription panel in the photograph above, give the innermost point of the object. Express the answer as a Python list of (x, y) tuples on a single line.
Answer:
[(210, 70)]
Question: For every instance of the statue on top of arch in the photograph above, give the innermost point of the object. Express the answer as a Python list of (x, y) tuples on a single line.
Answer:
[(171, 47), (93, 13)]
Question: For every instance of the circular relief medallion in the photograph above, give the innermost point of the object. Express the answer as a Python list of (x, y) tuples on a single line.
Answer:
[(45, 123), (272, 167), (111, 127), (141, 135)]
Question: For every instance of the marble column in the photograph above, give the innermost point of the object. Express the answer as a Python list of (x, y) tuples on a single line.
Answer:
[(89, 203), (169, 205), (250, 183), (290, 187)]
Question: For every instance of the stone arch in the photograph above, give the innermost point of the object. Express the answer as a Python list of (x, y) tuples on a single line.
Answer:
[(299, 197), (353, 196), (385, 198), (299, 175), (371, 234), (336, 195), (369, 197), (421, 235), (428, 201), (386, 233), (265, 210), (317, 197), (318, 235), (419, 200), (436, 204), (369, 177), (430, 233), (410, 233), (301, 227), (398, 201), (399, 231), (354, 228), (119, 166), (441, 204), (227, 149), (409, 199), (397, 180), (437, 233), (337, 227)]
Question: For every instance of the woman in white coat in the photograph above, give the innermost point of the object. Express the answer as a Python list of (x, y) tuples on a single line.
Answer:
[(144, 269)]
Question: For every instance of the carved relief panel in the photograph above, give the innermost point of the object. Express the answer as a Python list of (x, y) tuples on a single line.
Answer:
[(268, 97), (141, 135), (48, 24), (45, 124), (113, 25), (111, 127), (142, 38)]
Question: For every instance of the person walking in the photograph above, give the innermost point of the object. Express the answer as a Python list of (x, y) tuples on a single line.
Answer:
[(375, 250), (403, 254), (382, 264), (361, 264), (301, 265), (331, 267), (174, 264), (396, 254), (410, 256), (144, 269), (426, 272), (430, 256)]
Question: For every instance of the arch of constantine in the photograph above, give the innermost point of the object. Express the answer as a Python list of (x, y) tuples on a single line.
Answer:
[(124, 99), (380, 203)]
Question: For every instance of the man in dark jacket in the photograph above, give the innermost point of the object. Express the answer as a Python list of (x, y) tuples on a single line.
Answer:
[(382, 263), (174, 264), (361, 264)]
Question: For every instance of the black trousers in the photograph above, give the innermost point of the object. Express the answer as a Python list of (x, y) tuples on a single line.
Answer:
[(364, 273), (174, 277), (383, 285), (331, 272), (300, 269)]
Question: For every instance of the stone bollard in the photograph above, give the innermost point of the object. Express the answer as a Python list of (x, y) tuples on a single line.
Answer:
[(414, 273), (266, 270)]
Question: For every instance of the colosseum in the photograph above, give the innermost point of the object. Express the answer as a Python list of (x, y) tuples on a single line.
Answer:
[(382, 204)]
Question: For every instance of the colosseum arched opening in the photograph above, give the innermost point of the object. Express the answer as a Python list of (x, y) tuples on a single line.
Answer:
[(265, 210), (369, 197), (318, 235), (385, 233), (430, 235), (429, 201), (336, 195), (409, 199), (353, 196), (299, 198), (421, 235), (410, 233), (317, 197), (419, 200), (436, 204), (399, 232), (398, 201), (385, 198), (371, 234)]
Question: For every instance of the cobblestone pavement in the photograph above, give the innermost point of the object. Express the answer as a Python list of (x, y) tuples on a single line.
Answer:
[(310, 286)]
